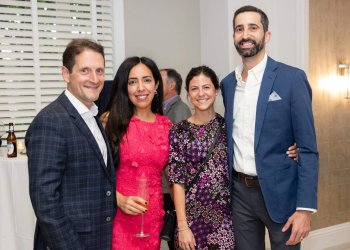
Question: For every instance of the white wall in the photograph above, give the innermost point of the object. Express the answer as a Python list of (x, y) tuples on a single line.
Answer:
[(118, 34), (215, 42), (288, 25), (166, 31), (182, 34)]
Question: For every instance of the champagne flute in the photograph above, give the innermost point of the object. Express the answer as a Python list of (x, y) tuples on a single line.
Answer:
[(142, 191)]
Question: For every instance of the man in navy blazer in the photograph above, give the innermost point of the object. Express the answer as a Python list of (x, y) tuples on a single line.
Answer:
[(268, 108), (71, 172)]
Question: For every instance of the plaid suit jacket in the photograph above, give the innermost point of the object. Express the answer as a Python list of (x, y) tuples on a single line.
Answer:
[(71, 189)]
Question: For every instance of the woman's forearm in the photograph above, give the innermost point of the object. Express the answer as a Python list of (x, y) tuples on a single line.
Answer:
[(180, 207)]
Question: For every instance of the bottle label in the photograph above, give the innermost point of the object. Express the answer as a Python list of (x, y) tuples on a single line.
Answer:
[(10, 148)]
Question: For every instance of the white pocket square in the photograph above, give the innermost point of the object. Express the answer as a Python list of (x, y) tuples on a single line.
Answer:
[(274, 97)]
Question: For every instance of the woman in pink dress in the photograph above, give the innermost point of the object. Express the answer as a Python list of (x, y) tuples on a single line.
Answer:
[(138, 134)]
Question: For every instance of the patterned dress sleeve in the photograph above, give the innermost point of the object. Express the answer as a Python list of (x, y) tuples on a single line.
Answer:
[(176, 163)]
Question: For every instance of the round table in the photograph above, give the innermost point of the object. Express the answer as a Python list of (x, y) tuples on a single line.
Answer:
[(16, 213)]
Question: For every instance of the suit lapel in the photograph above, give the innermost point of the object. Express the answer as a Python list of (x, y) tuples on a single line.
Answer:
[(265, 91), (230, 92), (229, 85), (85, 131), (110, 166)]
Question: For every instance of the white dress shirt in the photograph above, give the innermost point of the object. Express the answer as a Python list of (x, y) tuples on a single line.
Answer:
[(244, 114), (88, 116)]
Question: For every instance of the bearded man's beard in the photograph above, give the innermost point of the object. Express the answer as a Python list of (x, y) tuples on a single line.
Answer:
[(252, 51)]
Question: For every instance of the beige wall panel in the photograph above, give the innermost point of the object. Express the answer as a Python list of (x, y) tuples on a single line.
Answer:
[(329, 41)]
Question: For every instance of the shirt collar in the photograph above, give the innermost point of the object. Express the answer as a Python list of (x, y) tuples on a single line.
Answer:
[(82, 109), (256, 72)]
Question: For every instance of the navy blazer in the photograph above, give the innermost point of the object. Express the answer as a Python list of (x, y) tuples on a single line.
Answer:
[(286, 184), (71, 188)]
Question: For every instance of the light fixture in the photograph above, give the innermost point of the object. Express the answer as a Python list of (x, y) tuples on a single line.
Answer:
[(344, 70), (342, 66)]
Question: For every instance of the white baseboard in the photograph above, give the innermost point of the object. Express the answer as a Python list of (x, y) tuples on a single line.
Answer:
[(324, 238), (328, 237)]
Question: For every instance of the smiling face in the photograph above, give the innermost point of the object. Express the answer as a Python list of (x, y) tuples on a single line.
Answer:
[(86, 80), (249, 36), (141, 87), (202, 93)]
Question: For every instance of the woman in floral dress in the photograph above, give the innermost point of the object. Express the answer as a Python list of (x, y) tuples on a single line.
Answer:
[(201, 187)]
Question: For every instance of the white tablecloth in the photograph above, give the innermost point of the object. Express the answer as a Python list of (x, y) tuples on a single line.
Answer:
[(17, 219)]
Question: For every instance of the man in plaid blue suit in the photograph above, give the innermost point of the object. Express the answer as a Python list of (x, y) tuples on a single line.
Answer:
[(71, 172)]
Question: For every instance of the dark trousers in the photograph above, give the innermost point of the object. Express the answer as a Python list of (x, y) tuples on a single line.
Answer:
[(169, 205), (250, 218)]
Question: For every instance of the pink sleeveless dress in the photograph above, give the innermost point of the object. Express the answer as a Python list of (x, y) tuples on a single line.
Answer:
[(144, 151)]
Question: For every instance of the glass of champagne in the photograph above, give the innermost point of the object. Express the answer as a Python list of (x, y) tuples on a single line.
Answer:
[(142, 191)]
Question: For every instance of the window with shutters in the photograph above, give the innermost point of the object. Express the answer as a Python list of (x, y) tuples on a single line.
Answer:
[(33, 36)]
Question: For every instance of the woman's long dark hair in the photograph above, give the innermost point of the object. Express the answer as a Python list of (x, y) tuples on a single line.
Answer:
[(121, 109)]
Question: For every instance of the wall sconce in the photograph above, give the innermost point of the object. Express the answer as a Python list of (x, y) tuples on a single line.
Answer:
[(344, 68)]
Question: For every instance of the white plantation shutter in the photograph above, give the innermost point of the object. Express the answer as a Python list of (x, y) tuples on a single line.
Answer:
[(33, 36)]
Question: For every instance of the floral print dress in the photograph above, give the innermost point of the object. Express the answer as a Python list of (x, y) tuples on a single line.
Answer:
[(208, 206)]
